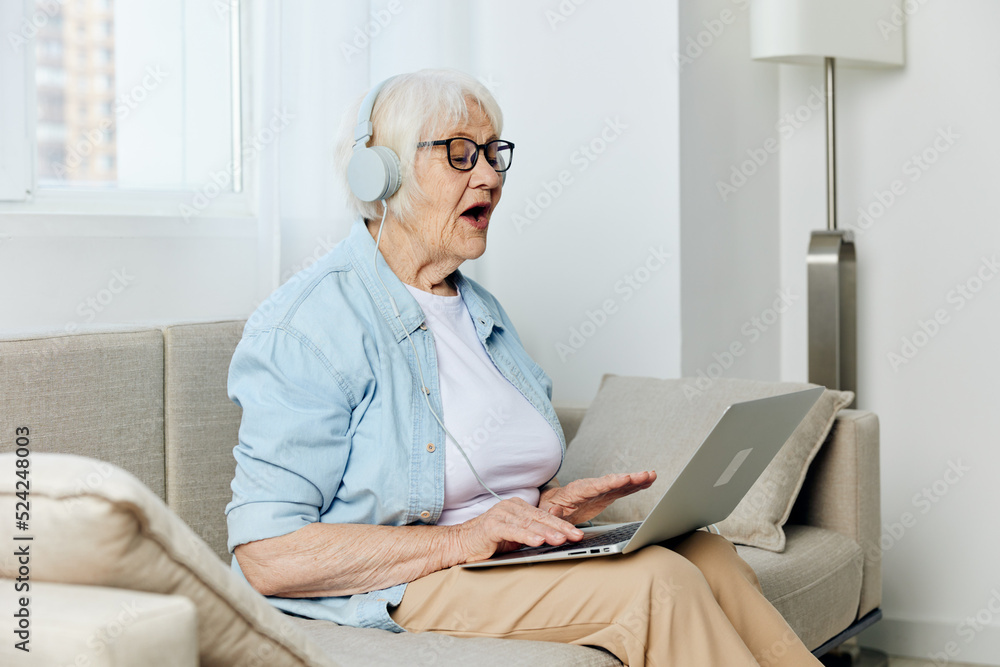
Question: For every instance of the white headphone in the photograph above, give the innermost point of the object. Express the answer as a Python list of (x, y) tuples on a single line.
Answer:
[(373, 172)]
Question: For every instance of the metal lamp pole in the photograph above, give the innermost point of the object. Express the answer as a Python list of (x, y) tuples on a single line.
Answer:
[(832, 278)]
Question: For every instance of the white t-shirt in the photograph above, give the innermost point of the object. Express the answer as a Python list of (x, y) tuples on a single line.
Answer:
[(510, 444)]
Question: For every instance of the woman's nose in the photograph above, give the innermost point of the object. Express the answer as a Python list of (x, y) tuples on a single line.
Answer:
[(484, 173)]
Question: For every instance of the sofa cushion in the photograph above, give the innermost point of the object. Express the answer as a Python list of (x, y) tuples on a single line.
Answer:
[(94, 394), (642, 423), (378, 648), (115, 532), (815, 583), (103, 627), (201, 426)]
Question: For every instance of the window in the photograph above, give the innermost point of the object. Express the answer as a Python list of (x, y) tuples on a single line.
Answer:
[(50, 51), (50, 77), (118, 104)]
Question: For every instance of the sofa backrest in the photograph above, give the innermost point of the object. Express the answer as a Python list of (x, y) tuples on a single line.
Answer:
[(94, 394), (151, 401), (200, 425)]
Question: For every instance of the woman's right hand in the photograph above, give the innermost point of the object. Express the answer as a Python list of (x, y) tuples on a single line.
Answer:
[(509, 525)]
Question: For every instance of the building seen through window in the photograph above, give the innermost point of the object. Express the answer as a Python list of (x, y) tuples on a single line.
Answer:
[(135, 95), (75, 79)]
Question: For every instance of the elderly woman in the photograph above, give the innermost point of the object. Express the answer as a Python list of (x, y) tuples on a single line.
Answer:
[(352, 501)]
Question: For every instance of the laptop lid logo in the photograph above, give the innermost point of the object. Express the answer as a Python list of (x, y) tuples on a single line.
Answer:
[(733, 466)]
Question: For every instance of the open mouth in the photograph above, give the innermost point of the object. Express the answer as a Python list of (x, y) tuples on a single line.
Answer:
[(478, 215)]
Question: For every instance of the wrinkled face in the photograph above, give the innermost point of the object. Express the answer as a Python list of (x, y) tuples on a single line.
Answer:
[(452, 220)]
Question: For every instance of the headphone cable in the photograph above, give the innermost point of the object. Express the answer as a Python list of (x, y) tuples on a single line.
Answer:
[(425, 391)]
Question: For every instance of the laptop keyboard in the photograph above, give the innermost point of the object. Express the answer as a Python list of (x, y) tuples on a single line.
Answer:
[(619, 534)]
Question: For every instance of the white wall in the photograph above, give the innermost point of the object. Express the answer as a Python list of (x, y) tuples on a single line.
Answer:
[(589, 97), (64, 279), (938, 408), (729, 239)]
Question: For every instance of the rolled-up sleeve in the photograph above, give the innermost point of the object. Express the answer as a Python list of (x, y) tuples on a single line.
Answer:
[(294, 436)]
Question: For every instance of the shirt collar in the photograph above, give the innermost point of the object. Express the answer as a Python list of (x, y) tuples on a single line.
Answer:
[(361, 247), (485, 314)]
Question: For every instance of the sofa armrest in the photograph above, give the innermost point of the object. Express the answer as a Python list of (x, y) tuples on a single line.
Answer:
[(100, 627), (842, 493)]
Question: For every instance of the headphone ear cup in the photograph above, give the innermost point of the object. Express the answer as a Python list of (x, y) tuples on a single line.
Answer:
[(374, 173)]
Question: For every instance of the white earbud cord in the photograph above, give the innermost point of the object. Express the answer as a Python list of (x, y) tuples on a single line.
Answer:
[(426, 392)]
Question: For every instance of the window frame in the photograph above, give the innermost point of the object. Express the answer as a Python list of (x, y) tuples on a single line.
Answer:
[(16, 157), (23, 204)]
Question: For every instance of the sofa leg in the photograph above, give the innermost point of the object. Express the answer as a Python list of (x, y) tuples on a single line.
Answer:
[(849, 654)]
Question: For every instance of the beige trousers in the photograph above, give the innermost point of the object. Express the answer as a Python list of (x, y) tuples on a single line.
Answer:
[(694, 604)]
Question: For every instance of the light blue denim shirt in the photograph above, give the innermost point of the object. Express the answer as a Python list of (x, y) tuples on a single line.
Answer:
[(335, 427)]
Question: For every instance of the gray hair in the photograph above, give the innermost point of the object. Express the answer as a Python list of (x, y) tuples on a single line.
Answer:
[(411, 108)]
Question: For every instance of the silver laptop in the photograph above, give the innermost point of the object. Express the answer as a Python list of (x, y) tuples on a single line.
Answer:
[(708, 488)]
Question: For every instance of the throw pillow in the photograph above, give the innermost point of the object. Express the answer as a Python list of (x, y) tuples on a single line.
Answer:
[(646, 423)]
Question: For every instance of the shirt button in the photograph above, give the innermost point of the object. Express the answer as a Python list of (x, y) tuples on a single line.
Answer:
[(431, 447), (425, 515), (423, 326)]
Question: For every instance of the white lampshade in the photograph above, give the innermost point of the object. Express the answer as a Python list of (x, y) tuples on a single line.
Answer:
[(858, 33)]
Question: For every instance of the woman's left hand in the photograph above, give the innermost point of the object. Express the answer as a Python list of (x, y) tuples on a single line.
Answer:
[(582, 500)]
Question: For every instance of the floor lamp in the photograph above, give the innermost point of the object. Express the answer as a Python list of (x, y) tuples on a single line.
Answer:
[(845, 33), (851, 33)]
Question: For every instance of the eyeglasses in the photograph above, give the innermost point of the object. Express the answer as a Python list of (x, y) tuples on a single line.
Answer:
[(464, 153)]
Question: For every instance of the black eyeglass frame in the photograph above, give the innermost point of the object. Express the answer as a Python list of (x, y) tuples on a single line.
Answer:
[(475, 156)]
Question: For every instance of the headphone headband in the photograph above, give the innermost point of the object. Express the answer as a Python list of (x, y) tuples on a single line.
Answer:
[(364, 129)]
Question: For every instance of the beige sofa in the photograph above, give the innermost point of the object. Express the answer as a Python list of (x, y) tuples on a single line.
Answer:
[(156, 589)]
